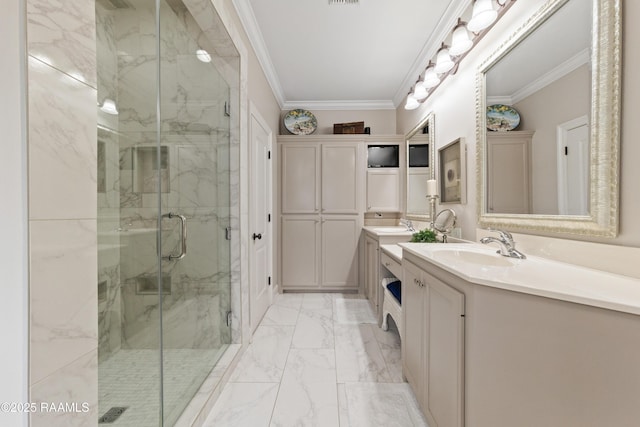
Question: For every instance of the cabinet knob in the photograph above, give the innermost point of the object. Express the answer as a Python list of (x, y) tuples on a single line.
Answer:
[(386, 264)]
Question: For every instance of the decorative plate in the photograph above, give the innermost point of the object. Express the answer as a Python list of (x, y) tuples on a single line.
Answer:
[(300, 122), (502, 117)]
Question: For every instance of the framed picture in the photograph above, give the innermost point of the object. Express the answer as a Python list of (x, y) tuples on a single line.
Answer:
[(452, 174)]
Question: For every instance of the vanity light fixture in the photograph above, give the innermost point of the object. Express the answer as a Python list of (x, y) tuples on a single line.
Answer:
[(109, 107), (444, 62), (412, 102), (483, 15), (203, 55), (431, 78), (420, 91), (460, 41)]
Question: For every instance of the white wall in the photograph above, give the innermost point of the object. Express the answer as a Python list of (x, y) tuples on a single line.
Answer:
[(13, 214), (454, 106)]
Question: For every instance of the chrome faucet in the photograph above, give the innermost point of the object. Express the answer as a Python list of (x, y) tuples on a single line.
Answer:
[(407, 223), (507, 245)]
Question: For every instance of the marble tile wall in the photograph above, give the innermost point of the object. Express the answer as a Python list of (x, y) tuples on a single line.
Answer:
[(62, 150), (65, 232)]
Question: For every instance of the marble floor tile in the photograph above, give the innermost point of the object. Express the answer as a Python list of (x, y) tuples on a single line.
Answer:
[(333, 366), (308, 393), (244, 405), (353, 311), (318, 301), (288, 300), (358, 356), (390, 347), (314, 329), (379, 404), (280, 315), (266, 356)]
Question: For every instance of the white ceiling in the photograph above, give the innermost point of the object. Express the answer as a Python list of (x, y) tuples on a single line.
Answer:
[(346, 56)]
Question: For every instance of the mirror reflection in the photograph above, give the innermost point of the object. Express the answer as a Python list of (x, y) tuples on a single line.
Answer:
[(542, 166), (420, 158)]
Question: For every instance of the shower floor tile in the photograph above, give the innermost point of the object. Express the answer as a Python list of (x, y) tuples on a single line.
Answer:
[(131, 378)]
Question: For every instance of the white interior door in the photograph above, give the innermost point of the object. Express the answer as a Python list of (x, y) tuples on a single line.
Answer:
[(260, 136), (573, 167)]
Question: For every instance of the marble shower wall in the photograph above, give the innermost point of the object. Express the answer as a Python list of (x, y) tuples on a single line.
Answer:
[(63, 178)]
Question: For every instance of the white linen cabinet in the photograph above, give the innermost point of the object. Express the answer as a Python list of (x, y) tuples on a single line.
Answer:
[(321, 181)]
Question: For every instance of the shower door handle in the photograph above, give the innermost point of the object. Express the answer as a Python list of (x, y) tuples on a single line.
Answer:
[(183, 236)]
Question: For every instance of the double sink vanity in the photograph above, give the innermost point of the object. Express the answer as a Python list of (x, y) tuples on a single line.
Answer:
[(491, 340)]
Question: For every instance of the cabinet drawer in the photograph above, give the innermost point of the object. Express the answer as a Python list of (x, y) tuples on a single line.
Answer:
[(391, 264)]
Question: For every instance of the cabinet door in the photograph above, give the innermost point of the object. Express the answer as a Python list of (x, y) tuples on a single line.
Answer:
[(300, 178), (445, 354), (340, 189), (383, 190), (414, 328), (340, 251), (371, 271), (300, 251)]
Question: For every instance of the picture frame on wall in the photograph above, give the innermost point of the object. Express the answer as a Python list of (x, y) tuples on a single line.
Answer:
[(451, 172)]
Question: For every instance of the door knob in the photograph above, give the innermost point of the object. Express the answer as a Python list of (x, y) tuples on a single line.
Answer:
[(257, 236)]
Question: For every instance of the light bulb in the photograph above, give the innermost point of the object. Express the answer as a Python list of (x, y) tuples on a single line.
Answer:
[(431, 78), (420, 92), (412, 103), (109, 106), (483, 15), (460, 41), (443, 61), (203, 55)]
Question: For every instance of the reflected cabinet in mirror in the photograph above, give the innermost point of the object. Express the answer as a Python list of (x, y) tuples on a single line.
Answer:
[(548, 123), (420, 168)]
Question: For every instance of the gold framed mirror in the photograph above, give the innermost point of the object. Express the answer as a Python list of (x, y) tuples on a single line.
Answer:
[(561, 73), (420, 161)]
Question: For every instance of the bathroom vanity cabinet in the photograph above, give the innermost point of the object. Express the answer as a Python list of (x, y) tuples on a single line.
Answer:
[(373, 274), (483, 355), (433, 348)]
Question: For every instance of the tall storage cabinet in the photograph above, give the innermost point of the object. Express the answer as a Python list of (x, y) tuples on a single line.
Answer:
[(321, 181)]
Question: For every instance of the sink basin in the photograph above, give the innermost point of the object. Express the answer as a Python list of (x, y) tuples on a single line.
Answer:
[(390, 229), (457, 256)]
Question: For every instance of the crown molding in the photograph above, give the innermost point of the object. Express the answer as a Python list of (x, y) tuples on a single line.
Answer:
[(571, 64), (556, 73), (250, 24), (340, 105), (504, 100), (446, 24)]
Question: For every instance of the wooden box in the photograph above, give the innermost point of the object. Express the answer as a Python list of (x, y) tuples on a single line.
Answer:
[(348, 128)]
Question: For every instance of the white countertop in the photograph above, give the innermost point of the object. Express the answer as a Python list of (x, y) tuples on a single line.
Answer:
[(534, 275), (388, 230), (394, 251)]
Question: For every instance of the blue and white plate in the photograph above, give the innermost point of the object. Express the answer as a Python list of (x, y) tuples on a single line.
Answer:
[(300, 122), (502, 117)]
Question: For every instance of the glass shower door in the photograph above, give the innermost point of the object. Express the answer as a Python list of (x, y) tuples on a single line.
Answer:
[(194, 147), (130, 170), (164, 211)]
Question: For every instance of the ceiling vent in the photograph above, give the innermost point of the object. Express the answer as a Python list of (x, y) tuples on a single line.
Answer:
[(343, 1)]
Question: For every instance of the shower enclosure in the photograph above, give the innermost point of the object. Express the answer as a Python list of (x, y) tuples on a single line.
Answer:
[(167, 79)]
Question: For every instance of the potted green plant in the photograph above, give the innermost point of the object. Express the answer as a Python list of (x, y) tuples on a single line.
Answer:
[(424, 236)]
